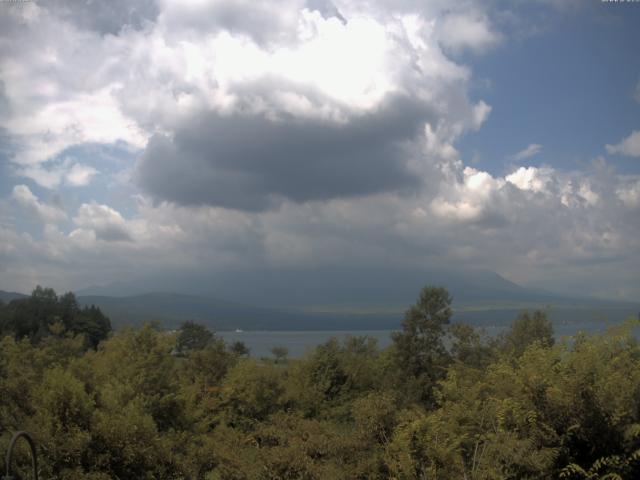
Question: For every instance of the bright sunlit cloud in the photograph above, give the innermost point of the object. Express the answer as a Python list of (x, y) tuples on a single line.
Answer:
[(151, 137)]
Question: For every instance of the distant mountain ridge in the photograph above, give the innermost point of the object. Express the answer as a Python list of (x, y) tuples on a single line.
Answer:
[(360, 288), (329, 285), (172, 308), (375, 300), (6, 297)]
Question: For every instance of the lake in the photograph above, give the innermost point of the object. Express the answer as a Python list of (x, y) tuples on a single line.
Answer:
[(298, 342), (260, 343)]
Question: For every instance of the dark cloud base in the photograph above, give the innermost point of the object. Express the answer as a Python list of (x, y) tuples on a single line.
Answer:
[(251, 162)]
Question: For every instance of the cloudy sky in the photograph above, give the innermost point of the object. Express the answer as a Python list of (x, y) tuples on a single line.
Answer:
[(147, 138)]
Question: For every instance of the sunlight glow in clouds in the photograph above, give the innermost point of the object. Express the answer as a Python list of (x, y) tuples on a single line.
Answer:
[(290, 133)]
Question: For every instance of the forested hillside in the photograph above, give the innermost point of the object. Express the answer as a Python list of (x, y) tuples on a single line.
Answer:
[(146, 403), (45, 314)]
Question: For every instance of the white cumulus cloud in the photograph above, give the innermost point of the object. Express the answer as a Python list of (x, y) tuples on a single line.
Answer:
[(26, 200), (629, 146), (459, 31), (285, 133), (106, 223), (531, 178)]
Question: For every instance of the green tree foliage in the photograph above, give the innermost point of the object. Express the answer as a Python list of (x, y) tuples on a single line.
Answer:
[(526, 330), (250, 393), (280, 354), (470, 346), (44, 314), (517, 407), (334, 374), (419, 349), (239, 349), (193, 336)]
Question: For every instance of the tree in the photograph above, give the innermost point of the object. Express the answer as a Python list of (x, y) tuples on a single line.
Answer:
[(44, 313), (469, 346), (3, 317), (418, 348), (280, 354), (239, 349), (250, 393), (68, 309), (193, 336), (526, 330), (92, 323)]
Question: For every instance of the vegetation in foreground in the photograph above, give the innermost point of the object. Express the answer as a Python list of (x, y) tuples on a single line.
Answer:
[(143, 403)]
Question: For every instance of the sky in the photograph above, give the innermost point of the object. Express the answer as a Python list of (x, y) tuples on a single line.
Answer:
[(146, 139)]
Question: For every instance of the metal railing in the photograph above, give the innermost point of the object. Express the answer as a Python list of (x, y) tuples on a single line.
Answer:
[(9, 458)]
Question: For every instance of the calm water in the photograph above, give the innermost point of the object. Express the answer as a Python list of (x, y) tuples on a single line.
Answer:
[(300, 342)]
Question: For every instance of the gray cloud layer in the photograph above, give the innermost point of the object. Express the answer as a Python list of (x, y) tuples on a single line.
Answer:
[(104, 17), (272, 136), (251, 162)]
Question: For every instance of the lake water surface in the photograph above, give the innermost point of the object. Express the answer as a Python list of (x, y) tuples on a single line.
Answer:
[(300, 342)]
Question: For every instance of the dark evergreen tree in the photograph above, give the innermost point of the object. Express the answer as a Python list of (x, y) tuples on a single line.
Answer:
[(44, 313)]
